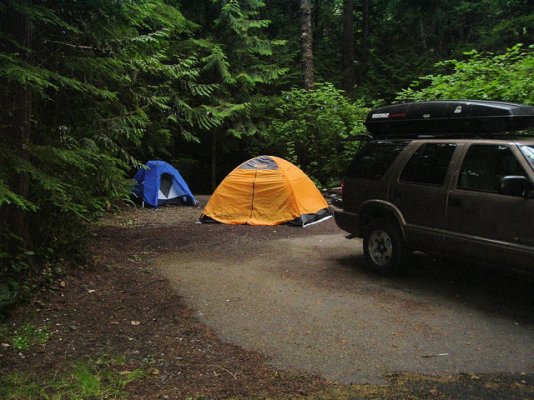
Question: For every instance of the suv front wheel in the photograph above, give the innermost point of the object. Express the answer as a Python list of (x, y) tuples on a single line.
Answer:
[(384, 247)]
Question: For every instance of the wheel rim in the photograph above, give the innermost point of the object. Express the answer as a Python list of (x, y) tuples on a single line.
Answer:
[(380, 247)]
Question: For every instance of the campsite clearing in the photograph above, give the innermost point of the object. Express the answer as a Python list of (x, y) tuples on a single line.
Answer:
[(309, 303), (264, 311)]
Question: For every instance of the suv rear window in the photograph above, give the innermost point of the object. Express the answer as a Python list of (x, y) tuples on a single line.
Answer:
[(429, 164), (374, 159)]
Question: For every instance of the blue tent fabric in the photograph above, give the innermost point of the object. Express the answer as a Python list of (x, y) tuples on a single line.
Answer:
[(148, 185)]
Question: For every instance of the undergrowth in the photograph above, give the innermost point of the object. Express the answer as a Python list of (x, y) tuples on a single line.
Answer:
[(91, 379), (25, 337)]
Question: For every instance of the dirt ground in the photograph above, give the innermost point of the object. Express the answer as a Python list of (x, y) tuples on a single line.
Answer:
[(124, 305), (308, 304)]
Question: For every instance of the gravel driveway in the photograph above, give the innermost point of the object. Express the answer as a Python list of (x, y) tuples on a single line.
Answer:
[(309, 303)]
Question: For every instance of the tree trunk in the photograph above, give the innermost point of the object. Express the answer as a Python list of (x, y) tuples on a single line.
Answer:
[(20, 131), (365, 21), (423, 33), (348, 44), (316, 22), (364, 65), (306, 43), (289, 16)]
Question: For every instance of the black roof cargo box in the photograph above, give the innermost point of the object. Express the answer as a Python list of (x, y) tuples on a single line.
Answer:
[(455, 117)]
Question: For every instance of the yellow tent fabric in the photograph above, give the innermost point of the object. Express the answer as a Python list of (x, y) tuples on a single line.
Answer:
[(266, 190)]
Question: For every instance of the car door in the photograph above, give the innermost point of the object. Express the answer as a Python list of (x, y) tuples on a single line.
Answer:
[(420, 193), (482, 222)]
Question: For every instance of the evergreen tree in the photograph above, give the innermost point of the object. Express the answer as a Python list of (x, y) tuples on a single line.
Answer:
[(78, 98), (238, 59)]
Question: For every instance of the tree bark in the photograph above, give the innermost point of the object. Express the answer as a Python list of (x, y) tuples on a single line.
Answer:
[(423, 33), (289, 16), (348, 45), (316, 22), (306, 44), (364, 65), (366, 21)]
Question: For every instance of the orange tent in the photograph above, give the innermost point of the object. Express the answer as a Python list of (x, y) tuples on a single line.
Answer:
[(266, 190)]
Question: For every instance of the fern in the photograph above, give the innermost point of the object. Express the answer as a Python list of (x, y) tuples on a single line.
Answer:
[(107, 79)]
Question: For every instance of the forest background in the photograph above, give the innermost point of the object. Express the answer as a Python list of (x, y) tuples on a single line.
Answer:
[(91, 89)]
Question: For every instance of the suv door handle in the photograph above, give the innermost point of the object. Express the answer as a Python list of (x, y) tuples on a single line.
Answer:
[(454, 202)]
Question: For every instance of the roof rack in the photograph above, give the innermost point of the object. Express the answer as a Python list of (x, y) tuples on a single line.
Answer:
[(501, 136), (452, 119)]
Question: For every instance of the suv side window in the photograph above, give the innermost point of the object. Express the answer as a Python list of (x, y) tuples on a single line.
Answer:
[(374, 159), (485, 165), (429, 164), (528, 151)]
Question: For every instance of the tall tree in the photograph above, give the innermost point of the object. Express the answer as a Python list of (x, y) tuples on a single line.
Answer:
[(77, 100), (365, 40), (348, 44), (22, 115), (238, 58), (306, 43)]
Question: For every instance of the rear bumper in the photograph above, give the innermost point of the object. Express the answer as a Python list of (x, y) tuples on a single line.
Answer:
[(347, 221)]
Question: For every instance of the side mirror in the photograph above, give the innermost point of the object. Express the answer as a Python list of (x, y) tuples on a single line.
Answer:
[(519, 186)]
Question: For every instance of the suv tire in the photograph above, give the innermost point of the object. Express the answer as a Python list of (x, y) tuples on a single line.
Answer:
[(384, 247)]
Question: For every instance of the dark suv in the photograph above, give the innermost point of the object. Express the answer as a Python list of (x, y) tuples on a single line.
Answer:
[(456, 193)]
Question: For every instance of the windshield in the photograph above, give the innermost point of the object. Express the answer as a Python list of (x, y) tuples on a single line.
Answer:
[(528, 151)]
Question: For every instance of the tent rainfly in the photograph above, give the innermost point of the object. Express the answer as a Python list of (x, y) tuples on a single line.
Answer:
[(266, 190), (161, 184)]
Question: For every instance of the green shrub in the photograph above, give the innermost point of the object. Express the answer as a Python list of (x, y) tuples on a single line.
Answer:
[(484, 76), (313, 129)]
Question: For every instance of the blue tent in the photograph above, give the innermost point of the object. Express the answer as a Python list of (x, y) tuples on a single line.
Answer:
[(162, 184)]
